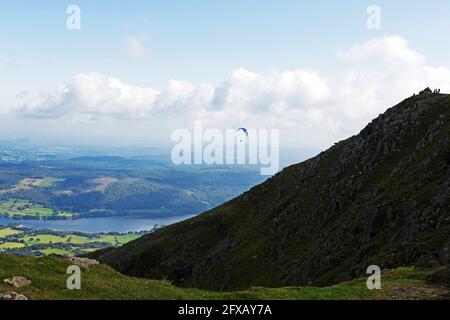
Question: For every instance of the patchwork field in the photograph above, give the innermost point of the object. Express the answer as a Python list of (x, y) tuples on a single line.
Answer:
[(11, 245), (19, 208), (41, 243), (5, 232), (77, 240)]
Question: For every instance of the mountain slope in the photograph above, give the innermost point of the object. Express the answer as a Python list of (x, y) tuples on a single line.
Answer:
[(381, 197)]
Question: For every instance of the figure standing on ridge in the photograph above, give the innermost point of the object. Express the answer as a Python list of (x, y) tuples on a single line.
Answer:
[(426, 90)]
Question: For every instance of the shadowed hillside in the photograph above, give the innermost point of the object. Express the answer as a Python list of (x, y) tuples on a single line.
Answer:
[(381, 197)]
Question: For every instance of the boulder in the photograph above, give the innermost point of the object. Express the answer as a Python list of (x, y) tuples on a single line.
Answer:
[(17, 282), (12, 296), (83, 262)]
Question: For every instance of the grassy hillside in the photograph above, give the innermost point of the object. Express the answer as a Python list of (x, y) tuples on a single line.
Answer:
[(48, 276), (381, 197)]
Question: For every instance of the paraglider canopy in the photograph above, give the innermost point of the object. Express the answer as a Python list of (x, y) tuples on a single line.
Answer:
[(243, 130)]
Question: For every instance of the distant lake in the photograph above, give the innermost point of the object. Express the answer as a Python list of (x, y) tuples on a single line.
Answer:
[(96, 225)]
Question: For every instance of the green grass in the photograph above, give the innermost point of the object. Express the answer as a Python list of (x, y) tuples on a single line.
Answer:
[(11, 245), (75, 239), (5, 232), (24, 208), (121, 240), (55, 251), (48, 276), (43, 239)]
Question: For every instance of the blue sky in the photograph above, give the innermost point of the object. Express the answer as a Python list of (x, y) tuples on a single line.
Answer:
[(202, 42)]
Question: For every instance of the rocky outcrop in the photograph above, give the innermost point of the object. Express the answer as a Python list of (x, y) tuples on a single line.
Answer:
[(83, 262), (12, 296), (17, 281)]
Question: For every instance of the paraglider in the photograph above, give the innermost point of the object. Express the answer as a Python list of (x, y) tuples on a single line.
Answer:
[(244, 131)]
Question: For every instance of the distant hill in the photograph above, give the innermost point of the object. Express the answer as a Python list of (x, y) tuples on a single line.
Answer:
[(116, 186), (381, 197), (100, 159)]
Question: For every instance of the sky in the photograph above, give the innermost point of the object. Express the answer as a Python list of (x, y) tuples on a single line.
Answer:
[(137, 70)]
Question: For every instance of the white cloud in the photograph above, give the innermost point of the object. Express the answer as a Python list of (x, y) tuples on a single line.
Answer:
[(387, 50), (312, 108), (92, 94), (378, 74), (297, 89), (98, 94), (45, 104)]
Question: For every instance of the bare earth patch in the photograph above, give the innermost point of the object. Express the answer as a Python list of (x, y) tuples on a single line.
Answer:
[(102, 183), (23, 185), (415, 292)]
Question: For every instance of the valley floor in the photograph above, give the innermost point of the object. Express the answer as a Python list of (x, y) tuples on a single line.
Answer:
[(48, 282), (33, 242)]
